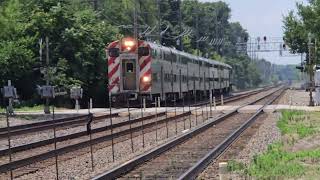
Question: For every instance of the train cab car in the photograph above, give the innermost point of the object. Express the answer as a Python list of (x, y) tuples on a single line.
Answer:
[(129, 69), (144, 69)]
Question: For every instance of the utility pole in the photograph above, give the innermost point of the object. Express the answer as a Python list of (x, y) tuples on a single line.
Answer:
[(180, 25), (197, 29), (46, 107), (216, 30), (159, 21), (311, 49), (135, 24), (95, 5)]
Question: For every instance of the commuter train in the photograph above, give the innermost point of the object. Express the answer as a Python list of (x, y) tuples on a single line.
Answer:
[(138, 68)]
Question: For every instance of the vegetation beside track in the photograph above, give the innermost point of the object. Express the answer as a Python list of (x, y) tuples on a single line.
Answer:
[(26, 108), (79, 30), (291, 157)]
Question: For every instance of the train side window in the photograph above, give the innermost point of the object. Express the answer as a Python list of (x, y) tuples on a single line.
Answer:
[(165, 56), (185, 78), (113, 52), (167, 77), (154, 53), (143, 51), (184, 60), (154, 77), (130, 67), (173, 58)]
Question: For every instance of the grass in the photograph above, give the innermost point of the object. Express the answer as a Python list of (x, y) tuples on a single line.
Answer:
[(295, 122), (32, 108), (25, 108), (280, 163)]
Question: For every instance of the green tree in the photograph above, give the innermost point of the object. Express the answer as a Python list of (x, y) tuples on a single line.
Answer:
[(77, 45)]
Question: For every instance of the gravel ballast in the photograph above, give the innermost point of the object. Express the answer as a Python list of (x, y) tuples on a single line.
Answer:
[(253, 142), (80, 167)]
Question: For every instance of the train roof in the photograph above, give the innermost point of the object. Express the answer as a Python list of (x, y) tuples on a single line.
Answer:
[(167, 49)]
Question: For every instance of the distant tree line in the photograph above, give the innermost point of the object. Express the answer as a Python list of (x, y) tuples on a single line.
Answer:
[(79, 30)]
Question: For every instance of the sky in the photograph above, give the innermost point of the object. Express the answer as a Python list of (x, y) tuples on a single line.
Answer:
[(263, 18)]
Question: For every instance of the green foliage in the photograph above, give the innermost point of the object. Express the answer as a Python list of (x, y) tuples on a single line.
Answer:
[(292, 123), (245, 72), (78, 33), (235, 166), (276, 163), (298, 25), (77, 41), (279, 161)]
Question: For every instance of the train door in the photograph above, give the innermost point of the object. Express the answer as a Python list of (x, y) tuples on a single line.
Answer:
[(180, 83), (213, 82), (129, 74), (194, 84), (204, 84), (220, 78), (162, 88)]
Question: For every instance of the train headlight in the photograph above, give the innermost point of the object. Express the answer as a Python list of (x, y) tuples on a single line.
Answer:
[(146, 79), (129, 43)]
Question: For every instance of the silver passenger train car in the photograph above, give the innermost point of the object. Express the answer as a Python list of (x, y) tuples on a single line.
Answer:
[(153, 70)]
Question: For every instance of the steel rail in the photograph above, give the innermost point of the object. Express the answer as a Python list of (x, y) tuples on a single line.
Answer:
[(77, 120), (18, 127), (40, 157), (196, 169), (101, 129), (76, 135), (43, 156), (131, 164), (41, 126)]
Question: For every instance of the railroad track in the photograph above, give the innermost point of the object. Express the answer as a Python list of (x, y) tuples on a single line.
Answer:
[(49, 124), (43, 156), (187, 155), (41, 126), (82, 119)]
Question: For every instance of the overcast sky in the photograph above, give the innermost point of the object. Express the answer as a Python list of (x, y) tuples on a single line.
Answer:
[(263, 18)]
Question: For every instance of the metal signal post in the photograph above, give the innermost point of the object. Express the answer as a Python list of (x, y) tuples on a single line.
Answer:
[(311, 61), (135, 24)]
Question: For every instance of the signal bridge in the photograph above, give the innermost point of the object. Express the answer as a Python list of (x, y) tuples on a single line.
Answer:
[(256, 46)]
